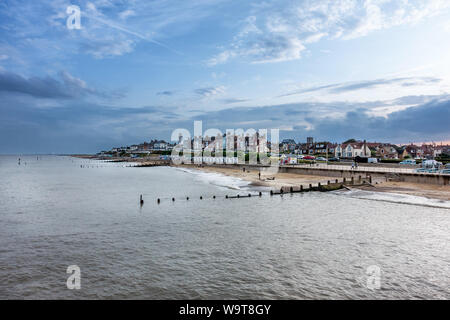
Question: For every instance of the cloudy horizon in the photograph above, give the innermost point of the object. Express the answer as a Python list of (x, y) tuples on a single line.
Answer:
[(365, 69)]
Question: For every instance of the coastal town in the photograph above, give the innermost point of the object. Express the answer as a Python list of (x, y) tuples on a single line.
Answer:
[(310, 149), (419, 169)]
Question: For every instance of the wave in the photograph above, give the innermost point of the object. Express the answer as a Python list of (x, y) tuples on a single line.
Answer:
[(397, 198), (218, 179)]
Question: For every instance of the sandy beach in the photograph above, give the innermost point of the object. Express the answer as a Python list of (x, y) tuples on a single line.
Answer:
[(416, 189), (290, 179)]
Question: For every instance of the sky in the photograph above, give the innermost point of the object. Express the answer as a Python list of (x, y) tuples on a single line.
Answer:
[(137, 70)]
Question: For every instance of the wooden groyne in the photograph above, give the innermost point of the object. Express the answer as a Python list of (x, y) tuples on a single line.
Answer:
[(153, 163), (320, 187)]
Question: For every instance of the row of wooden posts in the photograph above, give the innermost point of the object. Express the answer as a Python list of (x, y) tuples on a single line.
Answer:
[(320, 187)]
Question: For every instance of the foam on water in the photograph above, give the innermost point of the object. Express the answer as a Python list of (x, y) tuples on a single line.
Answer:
[(397, 198), (218, 179)]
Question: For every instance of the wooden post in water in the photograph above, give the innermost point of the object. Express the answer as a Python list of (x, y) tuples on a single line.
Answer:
[(301, 187), (141, 201)]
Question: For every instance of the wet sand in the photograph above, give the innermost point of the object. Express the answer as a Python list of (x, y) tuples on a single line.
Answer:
[(281, 179), (291, 179), (431, 191)]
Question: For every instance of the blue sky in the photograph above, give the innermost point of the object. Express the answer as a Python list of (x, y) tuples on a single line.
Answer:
[(369, 69)]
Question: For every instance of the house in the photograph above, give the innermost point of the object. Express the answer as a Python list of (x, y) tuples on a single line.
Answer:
[(437, 152), (311, 147), (159, 145), (427, 151), (403, 153), (322, 147), (331, 147), (386, 151), (352, 150), (288, 145), (413, 151)]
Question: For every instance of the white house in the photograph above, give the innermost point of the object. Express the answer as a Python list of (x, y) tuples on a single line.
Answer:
[(160, 145), (352, 150)]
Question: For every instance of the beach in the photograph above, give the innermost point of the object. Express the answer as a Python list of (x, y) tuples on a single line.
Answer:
[(430, 191)]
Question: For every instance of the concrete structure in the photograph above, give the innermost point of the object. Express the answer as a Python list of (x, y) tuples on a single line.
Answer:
[(413, 177)]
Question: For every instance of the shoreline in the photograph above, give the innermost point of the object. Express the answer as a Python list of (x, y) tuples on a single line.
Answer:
[(429, 191)]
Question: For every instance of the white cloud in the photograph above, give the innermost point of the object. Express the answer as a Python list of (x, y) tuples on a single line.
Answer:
[(108, 47), (271, 34), (126, 13), (210, 91), (222, 57)]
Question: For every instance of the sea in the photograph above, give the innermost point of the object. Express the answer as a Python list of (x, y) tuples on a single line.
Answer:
[(59, 214)]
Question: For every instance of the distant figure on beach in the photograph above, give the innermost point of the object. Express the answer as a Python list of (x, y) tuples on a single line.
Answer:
[(353, 165), (259, 175)]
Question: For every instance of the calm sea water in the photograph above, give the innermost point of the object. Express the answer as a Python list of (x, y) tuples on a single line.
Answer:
[(53, 214)]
